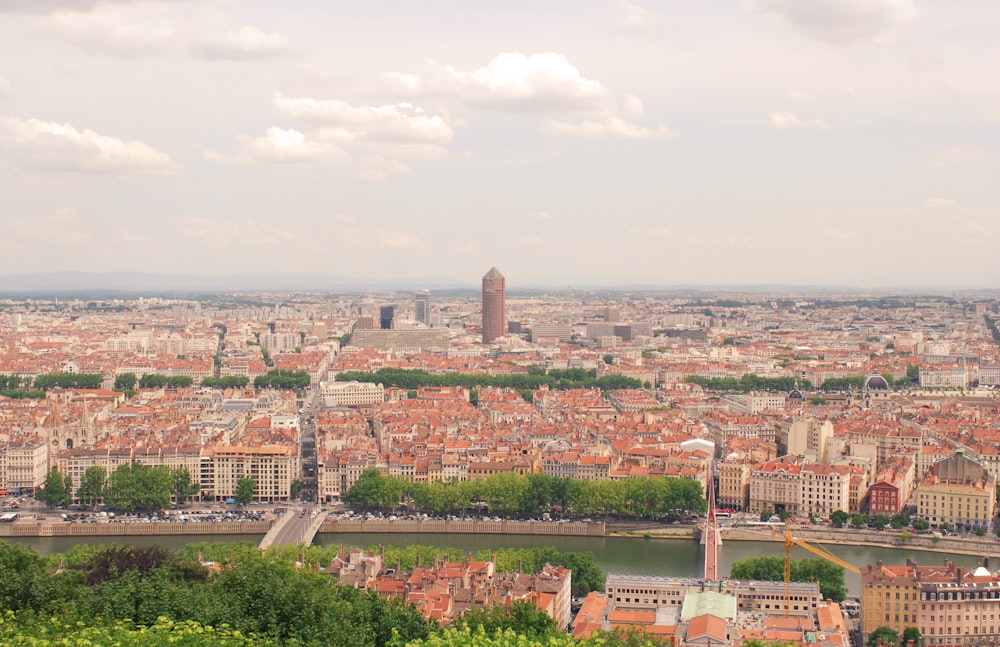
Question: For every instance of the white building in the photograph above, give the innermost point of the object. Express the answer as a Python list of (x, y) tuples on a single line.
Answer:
[(352, 394)]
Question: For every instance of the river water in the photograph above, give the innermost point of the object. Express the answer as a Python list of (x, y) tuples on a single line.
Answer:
[(629, 555)]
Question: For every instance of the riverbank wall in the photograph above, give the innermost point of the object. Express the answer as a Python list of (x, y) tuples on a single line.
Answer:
[(986, 546), (474, 527), (63, 529)]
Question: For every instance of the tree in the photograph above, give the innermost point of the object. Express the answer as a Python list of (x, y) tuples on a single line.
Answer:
[(53, 492), (296, 489), (134, 486), (244, 490), (839, 518), (921, 524), (859, 520), (523, 617), (765, 515), (92, 485), (879, 521), (609, 359), (910, 633), (125, 382), (899, 521), (181, 485), (828, 575), (883, 636), (67, 491)]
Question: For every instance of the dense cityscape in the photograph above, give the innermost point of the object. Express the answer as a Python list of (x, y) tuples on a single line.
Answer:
[(720, 417)]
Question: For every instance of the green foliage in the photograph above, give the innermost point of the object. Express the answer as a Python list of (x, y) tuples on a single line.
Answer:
[(181, 485), (883, 635), (765, 515), (749, 382), (14, 382), (21, 394), (53, 492), (523, 617), (910, 633), (854, 382), (899, 521), (879, 521), (819, 401), (283, 380), (859, 520), (464, 636), (574, 378), (839, 518), (157, 381), (134, 486), (227, 382), (828, 575), (68, 381), (921, 524), (296, 489), (35, 632), (609, 359), (511, 494), (125, 382), (245, 486)]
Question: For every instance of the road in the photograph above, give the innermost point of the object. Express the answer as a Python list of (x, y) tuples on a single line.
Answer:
[(295, 529)]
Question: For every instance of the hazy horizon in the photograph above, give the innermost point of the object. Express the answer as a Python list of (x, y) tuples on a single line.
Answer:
[(600, 143)]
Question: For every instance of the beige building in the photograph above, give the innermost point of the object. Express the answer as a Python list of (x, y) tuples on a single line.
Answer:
[(26, 465), (808, 437), (776, 485), (273, 468), (352, 394), (825, 488), (734, 483), (957, 491)]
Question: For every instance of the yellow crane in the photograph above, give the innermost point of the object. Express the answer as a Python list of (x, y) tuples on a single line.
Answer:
[(791, 540)]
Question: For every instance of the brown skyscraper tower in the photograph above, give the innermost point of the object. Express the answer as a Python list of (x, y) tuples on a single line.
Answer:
[(494, 306)]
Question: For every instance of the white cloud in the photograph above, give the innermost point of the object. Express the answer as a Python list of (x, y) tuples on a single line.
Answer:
[(395, 239), (951, 157), (514, 82), (58, 228), (632, 17), (243, 44), (939, 203), (633, 107), (120, 31), (612, 126), (395, 122), (379, 169), (6, 89), (841, 21), (788, 121), (281, 146), (50, 146), (226, 233)]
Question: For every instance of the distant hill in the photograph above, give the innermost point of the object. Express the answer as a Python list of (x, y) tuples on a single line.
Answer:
[(145, 282)]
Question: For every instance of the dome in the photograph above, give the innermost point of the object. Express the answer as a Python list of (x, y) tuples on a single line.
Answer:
[(982, 571), (795, 394), (876, 383)]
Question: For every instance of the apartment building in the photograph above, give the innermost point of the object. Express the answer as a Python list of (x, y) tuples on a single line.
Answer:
[(958, 491), (352, 394), (950, 605), (27, 463), (273, 468)]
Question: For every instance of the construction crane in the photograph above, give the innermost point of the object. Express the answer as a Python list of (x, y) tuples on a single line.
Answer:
[(791, 540)]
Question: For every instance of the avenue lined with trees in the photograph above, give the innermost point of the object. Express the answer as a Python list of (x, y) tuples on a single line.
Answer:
[(530, 495), (574, 378)]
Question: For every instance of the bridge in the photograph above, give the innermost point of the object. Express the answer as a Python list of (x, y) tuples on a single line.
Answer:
[(298, 525), (711, 536)]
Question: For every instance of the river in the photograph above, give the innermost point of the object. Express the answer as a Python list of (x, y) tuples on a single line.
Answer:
[(632, 555)]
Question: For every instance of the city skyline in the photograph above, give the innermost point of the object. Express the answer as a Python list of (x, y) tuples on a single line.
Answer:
[(600, 143)]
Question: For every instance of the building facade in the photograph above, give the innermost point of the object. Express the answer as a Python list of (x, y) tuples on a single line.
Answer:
[(494, 306)]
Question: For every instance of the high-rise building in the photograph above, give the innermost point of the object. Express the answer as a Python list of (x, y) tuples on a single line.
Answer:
[(386, 315), (423, 307), (494, 305)]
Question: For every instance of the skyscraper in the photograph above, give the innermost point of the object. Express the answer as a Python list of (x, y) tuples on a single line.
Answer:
[(386, 315), (494, 305), (423, 307)]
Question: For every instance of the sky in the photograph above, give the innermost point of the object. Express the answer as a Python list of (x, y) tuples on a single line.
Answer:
[(670, 142)]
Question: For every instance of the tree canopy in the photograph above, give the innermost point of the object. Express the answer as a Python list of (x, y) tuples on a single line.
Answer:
[(749, 382), (574, 378), (135, 486), (512, 494), (48, 381), (828, 575)]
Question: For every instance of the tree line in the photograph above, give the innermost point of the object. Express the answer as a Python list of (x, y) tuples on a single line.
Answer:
[(129, 488), (828, 575), (748, 382), (151, 597), (559, 380), (530, 495)]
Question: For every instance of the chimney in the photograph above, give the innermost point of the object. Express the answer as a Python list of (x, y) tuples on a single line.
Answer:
[(417, 564), (518, 565)]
